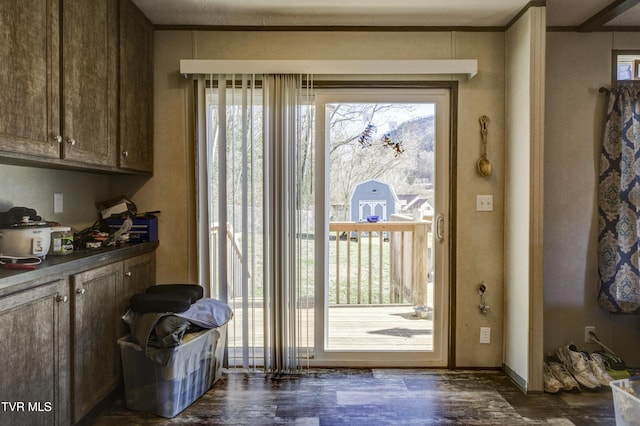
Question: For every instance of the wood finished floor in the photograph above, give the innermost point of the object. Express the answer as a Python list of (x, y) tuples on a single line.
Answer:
[(377, 397)]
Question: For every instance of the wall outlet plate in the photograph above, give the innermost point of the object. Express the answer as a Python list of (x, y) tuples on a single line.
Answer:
[(485, 335), (484, 203), (587, 330)]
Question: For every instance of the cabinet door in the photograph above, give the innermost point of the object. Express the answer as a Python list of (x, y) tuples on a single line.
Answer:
[(96, 326), (139, 274), (89, 81), (136, 89), (34, 331), (29, 81)]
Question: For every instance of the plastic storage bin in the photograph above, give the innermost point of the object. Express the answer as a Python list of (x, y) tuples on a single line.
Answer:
[(166, 390), (627, 405)]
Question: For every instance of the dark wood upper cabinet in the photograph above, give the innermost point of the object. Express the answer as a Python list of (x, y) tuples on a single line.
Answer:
[(76, 88), (136, 89), (29, 81), (89, 85)]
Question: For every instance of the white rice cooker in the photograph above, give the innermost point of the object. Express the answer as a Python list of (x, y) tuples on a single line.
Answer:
[(26, 238)]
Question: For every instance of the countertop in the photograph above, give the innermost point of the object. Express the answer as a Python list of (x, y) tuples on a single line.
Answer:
[(59, 267)]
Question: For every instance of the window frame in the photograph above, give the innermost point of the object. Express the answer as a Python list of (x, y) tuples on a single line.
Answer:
[(615, 53)]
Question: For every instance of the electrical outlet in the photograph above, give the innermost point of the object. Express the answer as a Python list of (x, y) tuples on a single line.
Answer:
[(587, 330), (58, 202), (485, 335), (484, 203)]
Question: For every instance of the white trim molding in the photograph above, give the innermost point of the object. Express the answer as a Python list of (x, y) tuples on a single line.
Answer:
[(333, 66)]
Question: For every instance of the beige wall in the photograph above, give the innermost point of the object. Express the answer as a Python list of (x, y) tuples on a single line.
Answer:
[(34, 188), (577, 65), (523, 274), (480, 235)]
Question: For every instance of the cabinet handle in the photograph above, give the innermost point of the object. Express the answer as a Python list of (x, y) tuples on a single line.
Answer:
[(62, 299), (57, 138), (71, 141), (128, 274), (80, 291), (125, 153)]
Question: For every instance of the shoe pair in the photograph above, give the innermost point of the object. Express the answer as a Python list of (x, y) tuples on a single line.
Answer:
[(597, 364), (588, 370), (556, 377)]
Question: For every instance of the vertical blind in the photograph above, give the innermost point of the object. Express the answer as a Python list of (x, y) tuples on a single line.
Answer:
[(255, 145)]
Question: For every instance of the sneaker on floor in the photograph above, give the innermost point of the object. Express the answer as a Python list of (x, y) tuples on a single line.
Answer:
[(599, 370), (551, 383), (562, 375), (577, 364)]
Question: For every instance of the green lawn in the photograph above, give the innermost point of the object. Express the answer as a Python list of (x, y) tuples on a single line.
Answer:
[(367, 268)]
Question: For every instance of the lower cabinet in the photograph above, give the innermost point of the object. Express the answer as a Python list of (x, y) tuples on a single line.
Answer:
[(101, 297), (59, 342), (139, 274), (95, 324), (34, 331)]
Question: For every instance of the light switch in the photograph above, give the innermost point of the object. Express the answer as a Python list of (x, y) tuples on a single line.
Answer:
[(58, 202)]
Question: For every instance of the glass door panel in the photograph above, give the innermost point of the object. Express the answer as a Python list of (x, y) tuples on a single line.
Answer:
[(385, 158)]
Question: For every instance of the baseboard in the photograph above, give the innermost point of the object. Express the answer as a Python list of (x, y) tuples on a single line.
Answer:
[(515, 378)]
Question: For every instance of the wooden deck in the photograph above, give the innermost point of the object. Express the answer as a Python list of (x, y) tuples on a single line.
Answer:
[(378, 328), (351, 328), (377, 273)]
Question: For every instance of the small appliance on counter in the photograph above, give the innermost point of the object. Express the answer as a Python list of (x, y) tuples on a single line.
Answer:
[(26, 238), (24, 235)]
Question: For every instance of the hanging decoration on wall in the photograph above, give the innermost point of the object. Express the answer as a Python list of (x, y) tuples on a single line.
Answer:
[(484, 165), (366, 140)]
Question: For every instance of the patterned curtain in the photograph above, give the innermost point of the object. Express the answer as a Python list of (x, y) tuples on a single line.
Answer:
[(619, 203)]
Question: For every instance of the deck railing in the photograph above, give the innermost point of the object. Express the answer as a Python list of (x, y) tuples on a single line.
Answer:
[(235, 260), (369, 263), (379, 263)]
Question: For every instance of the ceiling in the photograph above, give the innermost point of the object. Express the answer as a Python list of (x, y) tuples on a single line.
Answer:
[(581, 15)]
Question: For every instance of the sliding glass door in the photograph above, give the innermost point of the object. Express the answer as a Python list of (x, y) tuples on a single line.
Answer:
[(329, 244), (381, 237)]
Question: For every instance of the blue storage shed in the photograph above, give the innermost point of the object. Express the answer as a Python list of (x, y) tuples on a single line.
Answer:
[(373, 198)]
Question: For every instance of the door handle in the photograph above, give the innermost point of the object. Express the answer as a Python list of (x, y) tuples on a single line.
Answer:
[(440, 228)]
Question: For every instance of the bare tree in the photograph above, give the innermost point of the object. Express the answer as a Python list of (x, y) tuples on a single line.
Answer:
[(352, 161)]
